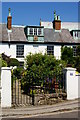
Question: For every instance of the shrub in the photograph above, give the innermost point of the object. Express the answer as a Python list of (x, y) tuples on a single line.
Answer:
[(67, 54), (40, 70), (13, 62), (3, 63), (18, 72)]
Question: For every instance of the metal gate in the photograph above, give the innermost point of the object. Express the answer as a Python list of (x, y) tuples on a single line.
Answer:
[(34, 92)]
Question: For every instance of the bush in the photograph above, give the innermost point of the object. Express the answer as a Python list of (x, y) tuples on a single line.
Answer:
[(18, 72), (40, 70), (77, 63), (3, 63), (67, 54), (5, 58), (13, 62)]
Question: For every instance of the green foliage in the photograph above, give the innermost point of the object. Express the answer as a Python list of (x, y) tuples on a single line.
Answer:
[(3, 63), (67, 54), (40, 70), (78, 50), (5, 58), (13, 62), (10, 61), (77, 59), (18, 72), (77, 63)]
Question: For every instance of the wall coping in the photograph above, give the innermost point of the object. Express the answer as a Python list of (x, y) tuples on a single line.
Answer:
[(69, 69), (5, 68)]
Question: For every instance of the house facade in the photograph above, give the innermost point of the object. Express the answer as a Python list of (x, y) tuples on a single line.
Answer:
[(18, 41)]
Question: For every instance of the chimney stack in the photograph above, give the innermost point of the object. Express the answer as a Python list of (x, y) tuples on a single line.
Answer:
[(9, 20), (56, 22)]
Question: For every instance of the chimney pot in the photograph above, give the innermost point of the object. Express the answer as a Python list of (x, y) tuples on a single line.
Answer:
[(58, 17)]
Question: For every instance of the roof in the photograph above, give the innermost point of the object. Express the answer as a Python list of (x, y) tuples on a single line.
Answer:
[(3, 32), (30, 26), (18, 35), (62, 37)]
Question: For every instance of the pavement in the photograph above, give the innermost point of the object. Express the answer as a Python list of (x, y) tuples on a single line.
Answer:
[(31, 111)]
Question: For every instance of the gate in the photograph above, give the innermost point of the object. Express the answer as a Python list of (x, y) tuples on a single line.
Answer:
[(36, 93), (19, 97)]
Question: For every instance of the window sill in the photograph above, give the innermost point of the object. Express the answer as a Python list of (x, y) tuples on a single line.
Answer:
[(19, 56)]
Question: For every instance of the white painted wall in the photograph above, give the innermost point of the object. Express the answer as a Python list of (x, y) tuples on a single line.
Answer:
[(5, 48), (13, 51), (72, 81), (70, 25), (57, 51), (79, 85), (47, 24), (64, 25), (33, 48), (42, 49), (6, 87)]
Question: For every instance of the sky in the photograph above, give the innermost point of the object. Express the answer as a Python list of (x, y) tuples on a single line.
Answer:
[(29, 13)]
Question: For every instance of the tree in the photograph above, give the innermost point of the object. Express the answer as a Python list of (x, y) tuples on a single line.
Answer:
[(67, 55)]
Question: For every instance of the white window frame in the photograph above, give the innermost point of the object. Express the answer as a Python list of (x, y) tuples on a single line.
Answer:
[(19, 51), (30, 32), (50, 52)]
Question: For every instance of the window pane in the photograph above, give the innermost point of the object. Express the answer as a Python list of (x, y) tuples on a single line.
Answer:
[(35, 31), (78, 34), (20, 51), (31, 31), (50, 50), (74, 50), (39, 31)]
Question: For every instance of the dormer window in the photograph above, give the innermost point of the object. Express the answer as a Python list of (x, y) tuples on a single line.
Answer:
[(75, 34), (31, 31), (39, 31), (35, 31)]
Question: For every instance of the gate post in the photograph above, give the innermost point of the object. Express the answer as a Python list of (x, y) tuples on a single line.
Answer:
[(6, 87), (71, 84)]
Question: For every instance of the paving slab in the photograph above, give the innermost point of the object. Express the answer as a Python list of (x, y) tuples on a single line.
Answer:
[(35, 110)]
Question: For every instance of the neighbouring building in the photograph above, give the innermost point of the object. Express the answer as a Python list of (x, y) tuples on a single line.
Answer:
[(48, 37)]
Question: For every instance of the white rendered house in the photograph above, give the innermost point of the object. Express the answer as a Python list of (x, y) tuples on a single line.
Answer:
[(48, 37)]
